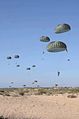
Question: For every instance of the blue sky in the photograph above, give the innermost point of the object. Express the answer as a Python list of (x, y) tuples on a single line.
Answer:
[(22, 23)]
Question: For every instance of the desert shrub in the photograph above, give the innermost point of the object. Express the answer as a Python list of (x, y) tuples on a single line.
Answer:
[(72, 96), (2, 117), (27, 91), (2, 91), (42, 91), (6, 94), (21, 93)]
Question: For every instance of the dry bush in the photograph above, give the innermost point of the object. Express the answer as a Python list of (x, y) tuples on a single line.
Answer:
[(6, 94), (42, 91), (2, 117), (2, 91), (72, 96), (21, 93), (27, 91)]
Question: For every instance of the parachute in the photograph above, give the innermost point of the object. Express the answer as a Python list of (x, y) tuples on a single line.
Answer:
[(24, 85), (18, 65), (35, 81), (45, 39), (16, 56), (58, 73), (28, 68), (56, 85), (61, 28), (56, 46), (43, 52), (33, 65), (68, 59), (9, 57)]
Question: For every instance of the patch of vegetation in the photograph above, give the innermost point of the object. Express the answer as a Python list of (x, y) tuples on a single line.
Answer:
[(21, 93), (72, 96), (42, 91), (38, 91), (2, 117)]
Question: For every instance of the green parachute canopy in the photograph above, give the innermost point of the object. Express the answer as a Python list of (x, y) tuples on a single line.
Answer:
[(61, 28), (44, 39), (56, 46)]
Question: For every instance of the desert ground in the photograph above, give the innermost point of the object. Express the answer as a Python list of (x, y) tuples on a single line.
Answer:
[(34, 104)]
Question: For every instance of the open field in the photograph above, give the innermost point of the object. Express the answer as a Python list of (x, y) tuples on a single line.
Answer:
[(39, 103)]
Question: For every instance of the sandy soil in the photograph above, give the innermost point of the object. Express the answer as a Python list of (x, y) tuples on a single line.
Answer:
[(39, 107)]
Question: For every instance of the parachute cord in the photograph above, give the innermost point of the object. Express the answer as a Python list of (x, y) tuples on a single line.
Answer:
[(66, 50)]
